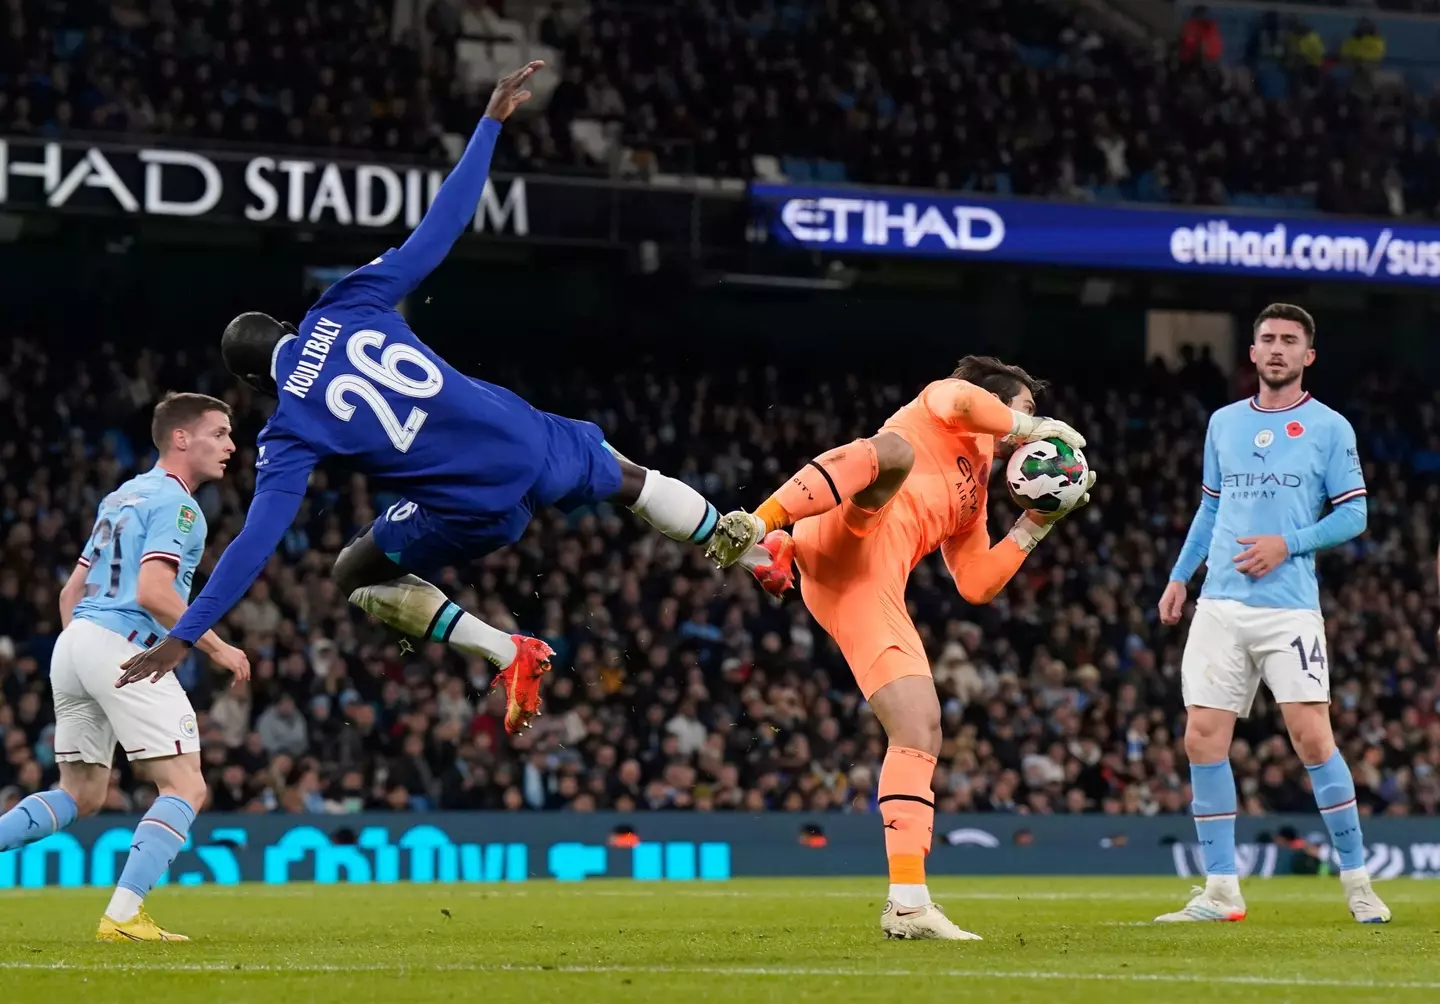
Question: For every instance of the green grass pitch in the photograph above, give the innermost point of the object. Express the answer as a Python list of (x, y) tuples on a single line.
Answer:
[(1046, 940)]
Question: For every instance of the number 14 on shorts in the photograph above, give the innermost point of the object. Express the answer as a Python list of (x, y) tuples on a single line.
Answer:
[(1313, 664)]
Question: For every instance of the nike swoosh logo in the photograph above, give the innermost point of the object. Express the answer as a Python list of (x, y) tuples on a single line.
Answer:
[(908, 913)]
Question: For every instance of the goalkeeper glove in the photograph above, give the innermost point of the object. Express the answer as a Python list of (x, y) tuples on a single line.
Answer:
[(1031, 528), (1029, 428)]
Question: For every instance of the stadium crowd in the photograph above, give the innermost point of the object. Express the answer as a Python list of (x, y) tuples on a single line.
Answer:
[(1022, 96), (677, 687)]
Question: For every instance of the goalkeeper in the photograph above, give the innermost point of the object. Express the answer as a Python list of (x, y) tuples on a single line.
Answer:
[(864, 516)]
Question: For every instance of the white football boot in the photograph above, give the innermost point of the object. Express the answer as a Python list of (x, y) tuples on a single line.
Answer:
[(916, 923), (1365, 906), (1216, 902)]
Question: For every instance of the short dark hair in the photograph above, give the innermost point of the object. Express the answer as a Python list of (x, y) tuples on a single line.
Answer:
[(999, 378), (179, 411), (248, 347), (1287, 312)]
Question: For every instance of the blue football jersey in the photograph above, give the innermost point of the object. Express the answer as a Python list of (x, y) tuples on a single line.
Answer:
[(356, 383), (1273, 472), (151, 517)]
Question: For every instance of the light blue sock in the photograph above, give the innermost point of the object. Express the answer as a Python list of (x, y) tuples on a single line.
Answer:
[(35, 817), (1335, 795), (1212, 786), (157, 840)]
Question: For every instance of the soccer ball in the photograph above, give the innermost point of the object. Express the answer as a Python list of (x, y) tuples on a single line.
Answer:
[(1046, 475)]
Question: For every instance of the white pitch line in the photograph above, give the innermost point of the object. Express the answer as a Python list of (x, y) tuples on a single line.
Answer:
[(942, 890), (775, 971), (704, 890)]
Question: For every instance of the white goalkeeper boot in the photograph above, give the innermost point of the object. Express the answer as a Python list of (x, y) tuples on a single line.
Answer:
[(915, 923)]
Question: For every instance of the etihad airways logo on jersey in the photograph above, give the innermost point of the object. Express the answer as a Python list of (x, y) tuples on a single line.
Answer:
[(1259, 485), (1261, 479), (264, 189)]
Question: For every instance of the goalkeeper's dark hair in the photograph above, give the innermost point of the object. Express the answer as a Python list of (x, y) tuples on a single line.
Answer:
[(1287, 312), (999, 378)]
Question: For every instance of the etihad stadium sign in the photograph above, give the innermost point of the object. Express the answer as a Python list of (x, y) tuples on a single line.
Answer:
[(243, 188), (251, 188), (1121, 236)]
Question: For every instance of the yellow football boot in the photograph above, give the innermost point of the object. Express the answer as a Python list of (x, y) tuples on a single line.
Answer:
[(138, 928)]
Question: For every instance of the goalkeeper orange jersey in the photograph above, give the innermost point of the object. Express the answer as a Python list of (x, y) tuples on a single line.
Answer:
[(854, 563)]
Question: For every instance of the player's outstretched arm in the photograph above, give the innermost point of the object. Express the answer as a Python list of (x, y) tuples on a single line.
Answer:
[(981, 571), (271, 513), (961, 404), (155, 592), (454, 206)]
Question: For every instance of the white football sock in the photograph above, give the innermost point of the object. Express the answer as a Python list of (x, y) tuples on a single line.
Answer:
[(124, 905), (909, 896), (1225, 887), (474, 637), (675, 509), (413, 606)]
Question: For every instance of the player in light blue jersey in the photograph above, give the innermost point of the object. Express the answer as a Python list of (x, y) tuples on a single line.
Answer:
[(128, 588), (1273, 464), (475, 460)]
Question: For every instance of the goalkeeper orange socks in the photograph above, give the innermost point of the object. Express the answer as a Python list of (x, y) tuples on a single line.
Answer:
[(822, 484), (907, 808)]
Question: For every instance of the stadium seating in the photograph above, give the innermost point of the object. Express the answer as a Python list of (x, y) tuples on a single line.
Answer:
[(1020, 96), (681, 688)]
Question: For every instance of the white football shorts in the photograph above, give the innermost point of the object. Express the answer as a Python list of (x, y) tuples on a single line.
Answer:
[(149, 719), (1232, 647)]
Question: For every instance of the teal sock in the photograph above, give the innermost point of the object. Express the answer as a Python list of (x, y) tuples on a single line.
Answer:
[(36, 817), (442, 625), (1212, 787), (1335, 795)]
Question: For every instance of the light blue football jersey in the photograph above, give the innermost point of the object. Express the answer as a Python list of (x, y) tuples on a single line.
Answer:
[(1273, 472), (152, 517)]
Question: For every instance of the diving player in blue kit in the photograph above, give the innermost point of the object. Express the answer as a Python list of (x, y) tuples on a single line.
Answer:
[(476, 461)]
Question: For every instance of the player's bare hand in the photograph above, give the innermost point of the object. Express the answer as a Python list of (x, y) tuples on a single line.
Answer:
[(1172, 603), (153, 662), (1262, 554), (510, 92), (234, 661)]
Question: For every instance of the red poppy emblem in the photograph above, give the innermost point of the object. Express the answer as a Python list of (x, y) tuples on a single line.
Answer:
[(1294, 430)]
